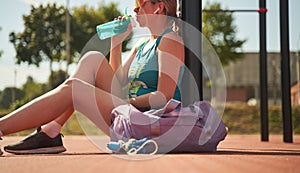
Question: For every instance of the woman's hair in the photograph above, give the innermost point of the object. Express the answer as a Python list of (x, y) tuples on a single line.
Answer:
[(170, 7), (171, 10)]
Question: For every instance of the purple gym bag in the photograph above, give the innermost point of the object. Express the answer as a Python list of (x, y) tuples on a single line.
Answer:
[(195, 128)]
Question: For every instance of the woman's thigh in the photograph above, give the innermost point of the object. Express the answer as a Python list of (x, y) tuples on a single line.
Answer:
[(95, 103), (94, 69)]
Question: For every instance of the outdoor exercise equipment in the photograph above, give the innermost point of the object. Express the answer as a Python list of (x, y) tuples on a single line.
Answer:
[(190, 8)]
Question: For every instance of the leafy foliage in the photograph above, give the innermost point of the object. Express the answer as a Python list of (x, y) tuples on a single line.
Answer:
[(87, 18), (56, 78), (218, 27), (10, 95), (44, 39), (32, 89), (13, 98), (43, 36)]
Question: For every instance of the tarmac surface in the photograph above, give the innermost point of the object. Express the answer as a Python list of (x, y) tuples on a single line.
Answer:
[(236, 154)]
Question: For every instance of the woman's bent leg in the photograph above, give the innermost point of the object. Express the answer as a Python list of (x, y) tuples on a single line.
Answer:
[(85, 71), (94, 103), (39, 111), (92, 66), (94, 69)]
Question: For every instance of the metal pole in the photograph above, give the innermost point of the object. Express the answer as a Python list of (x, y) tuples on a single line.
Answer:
[(262, 65), (227, 11), (67, 38), (67, 49), (263, 73), (191, 13), (285, 71), (298, 71), (15, 87)]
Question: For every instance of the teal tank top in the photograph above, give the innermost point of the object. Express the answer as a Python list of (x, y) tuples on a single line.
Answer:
[(143, 71)]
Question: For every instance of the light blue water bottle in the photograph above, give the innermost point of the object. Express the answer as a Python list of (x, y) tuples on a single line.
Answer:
[(113, 28)]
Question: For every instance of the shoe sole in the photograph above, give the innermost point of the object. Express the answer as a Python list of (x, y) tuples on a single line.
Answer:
[(49, 150)]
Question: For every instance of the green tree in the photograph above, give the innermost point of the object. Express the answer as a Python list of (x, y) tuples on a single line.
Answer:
[(85, 19), (32, 89), (43, 36), (219, 29), (56, 78), (10, 95)]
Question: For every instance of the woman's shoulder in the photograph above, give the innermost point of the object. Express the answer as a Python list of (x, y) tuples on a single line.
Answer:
[(173, 44), (171, 41), (172, 38)]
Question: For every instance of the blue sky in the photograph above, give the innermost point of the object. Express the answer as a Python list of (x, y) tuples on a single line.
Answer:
[(247, 24)]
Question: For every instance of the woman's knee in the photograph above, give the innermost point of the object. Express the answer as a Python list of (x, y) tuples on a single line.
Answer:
[(88, 66), (66, 86), (70, 82), (74, 85), (92, 58)]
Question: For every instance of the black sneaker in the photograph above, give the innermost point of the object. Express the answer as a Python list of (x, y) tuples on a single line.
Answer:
[(37, 143)]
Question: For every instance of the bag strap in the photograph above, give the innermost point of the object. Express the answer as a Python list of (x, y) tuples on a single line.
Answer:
[(172, 105), (154, 127), (169, 107), (154, 121)]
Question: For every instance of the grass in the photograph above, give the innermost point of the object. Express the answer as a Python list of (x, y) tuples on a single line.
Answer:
[(244, 119)]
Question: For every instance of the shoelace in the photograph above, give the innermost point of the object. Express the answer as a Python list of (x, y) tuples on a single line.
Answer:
[(133, 146)]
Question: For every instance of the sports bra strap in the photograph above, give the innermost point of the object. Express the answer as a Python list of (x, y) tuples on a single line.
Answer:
[(160, 37)]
